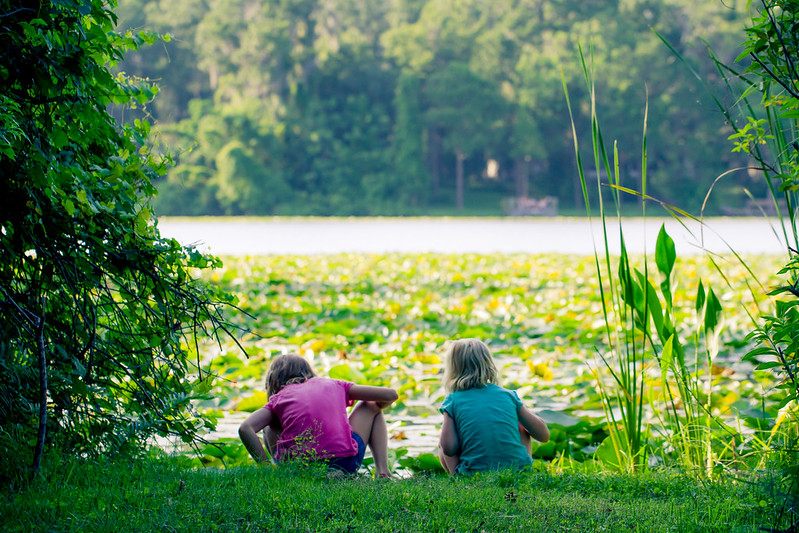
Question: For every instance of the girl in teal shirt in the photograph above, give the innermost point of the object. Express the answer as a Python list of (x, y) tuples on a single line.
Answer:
[(486, 427)]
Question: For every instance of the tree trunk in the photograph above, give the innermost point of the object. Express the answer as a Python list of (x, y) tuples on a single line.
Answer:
[(42, 434), (459, 157), (521, 175), (434, 160)]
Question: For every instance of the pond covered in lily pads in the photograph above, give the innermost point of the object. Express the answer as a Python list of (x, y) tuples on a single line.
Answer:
[(384, 319)]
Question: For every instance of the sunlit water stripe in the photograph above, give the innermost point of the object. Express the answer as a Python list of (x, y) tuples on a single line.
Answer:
[(268, 236)]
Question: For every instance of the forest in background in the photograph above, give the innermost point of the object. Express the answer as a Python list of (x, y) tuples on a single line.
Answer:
[(412, 107)]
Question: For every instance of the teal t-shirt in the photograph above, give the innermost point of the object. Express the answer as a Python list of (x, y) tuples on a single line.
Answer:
[(488, 428)]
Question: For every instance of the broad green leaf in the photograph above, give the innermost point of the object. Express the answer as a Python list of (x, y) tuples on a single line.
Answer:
[(546, 450), (713, 313), (665, 254), (700, 297), (69, 207), (558, 417), (611, 456), (429, 461), (252, 403), (750, 355), (347, 373)]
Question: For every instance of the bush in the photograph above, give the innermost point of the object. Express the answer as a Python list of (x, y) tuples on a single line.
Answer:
[(98, 314)]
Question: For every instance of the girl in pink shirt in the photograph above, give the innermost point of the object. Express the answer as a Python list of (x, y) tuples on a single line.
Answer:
[(306, 418)]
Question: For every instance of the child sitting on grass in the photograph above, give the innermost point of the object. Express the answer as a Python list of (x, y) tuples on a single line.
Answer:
[(486, 427), (306, 419)]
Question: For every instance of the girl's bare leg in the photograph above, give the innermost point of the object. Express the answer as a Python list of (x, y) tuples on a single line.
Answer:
[(526, 440), (368, 422), (449, 462), (270, 440)]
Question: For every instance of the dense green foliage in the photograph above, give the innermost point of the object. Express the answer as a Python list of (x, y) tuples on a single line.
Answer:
[(98, 313), (160, 495), (771, 138), (409, 107)]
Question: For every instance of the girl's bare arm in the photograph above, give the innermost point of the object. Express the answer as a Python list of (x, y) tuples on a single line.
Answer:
[(383, 396), (449, 437), (248, 433), (533, 424)]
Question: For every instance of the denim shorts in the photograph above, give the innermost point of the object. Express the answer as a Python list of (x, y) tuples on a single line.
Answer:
[(352, 463)]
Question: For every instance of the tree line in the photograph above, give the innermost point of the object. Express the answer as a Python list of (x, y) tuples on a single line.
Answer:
[(354, 107)]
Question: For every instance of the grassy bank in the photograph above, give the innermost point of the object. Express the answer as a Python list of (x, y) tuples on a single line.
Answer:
[(162, 495)]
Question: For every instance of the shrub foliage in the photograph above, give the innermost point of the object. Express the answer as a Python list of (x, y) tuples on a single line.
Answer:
[(99, 314)]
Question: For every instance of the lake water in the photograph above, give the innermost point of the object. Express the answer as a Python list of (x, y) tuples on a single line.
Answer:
[(267, 236)]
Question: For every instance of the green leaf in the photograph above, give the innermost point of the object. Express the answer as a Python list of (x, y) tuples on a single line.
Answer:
[(347, 373), (609, 454), (59, 139), (69, 207), (666, 357), (665, 254), (558, 417), (252, 403), (80, 370), (655, 310), (713, 313), (429, 461), (758, 351), (700, 297), (547, 450)]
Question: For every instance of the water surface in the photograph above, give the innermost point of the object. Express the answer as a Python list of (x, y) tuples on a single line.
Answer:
[(266, 236)]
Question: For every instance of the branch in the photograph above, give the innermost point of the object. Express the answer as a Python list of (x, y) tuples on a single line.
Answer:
[(774, 76), (788, 59), (16, 11)]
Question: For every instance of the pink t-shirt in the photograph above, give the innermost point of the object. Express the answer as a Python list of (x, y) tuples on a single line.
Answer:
[(313, 415)]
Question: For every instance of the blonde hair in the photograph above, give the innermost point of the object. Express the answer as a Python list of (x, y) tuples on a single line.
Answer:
[(287, 369), (469, 365)]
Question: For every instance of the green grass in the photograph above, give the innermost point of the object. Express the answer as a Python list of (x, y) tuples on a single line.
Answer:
[(163, 495)]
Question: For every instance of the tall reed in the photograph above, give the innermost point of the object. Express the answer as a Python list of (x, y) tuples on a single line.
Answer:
[(641, 334), (625, 449)]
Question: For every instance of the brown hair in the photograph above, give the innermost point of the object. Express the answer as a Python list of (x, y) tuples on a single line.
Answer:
[(285, 370), (469, 365)]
